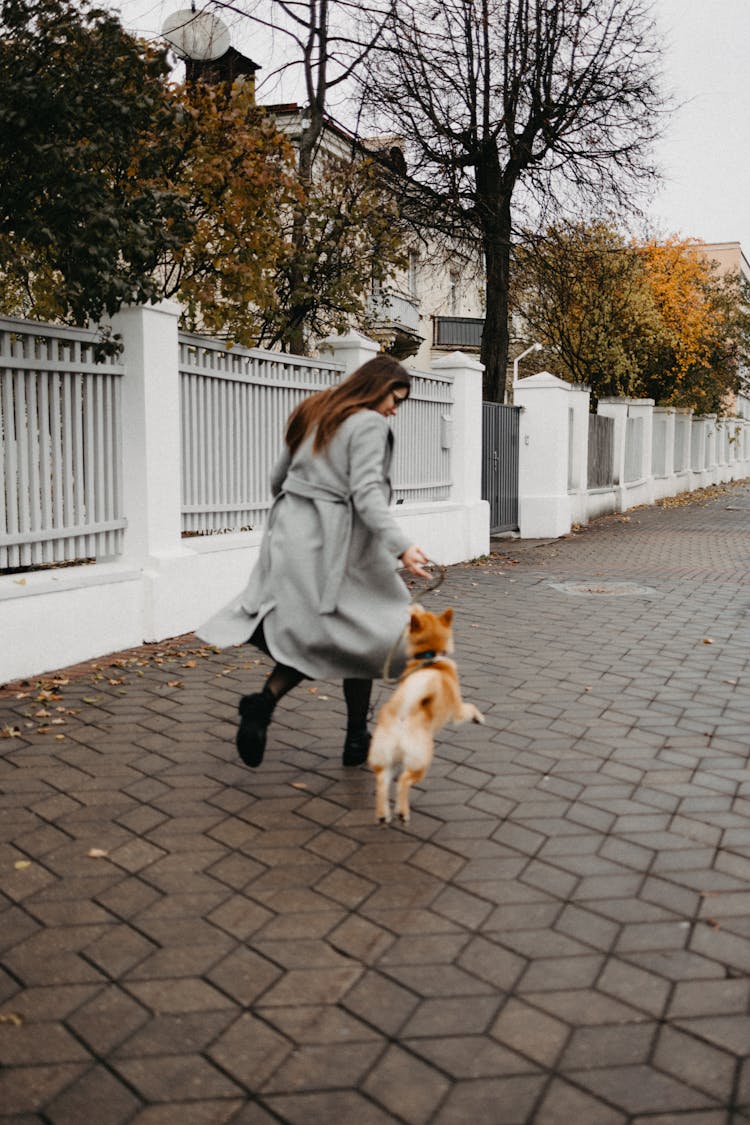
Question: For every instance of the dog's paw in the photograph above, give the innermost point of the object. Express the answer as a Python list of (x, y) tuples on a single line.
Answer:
[(477, 717), (403, 817), (383, 821)]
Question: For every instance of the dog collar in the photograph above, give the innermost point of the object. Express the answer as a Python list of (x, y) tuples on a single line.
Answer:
[(428, 654)]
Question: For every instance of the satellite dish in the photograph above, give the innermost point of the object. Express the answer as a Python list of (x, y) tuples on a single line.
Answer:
[(196, 35)]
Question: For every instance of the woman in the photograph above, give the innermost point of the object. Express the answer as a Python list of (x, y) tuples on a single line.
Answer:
[(324, 599)]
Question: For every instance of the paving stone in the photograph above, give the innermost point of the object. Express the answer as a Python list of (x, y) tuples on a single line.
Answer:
[(694, 1062), (732, 1033), (714, 997), (381, 1002), (569, 898), (188, 994), (564, 1104), (531, 1032), (166, 1078), (319, 1067), (406, 1086), (25, 1089), (98, 1091), (201, 1113), (318, 986), (323, 1108), (183, 1034), (38, 1043), (479, 1099), (635, 986)]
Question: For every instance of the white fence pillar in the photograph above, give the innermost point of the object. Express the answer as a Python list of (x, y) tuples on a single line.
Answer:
[(466, 428), (351, 349), (544, 510), (151, 456), (579, 403), (150, 430)]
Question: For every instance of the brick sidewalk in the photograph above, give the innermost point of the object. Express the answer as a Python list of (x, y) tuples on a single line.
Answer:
[(561, 935)]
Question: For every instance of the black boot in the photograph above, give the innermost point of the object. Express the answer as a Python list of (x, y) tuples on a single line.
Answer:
[(356, 747), (255, 715)]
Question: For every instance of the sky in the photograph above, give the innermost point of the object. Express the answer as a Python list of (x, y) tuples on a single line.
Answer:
[(704, 154)]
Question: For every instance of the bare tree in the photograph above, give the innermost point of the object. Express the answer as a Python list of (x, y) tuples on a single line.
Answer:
[(558, 98), (324, 44)]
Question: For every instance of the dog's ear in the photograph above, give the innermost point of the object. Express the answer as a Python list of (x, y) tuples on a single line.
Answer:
[(447, 616), (415, 620)]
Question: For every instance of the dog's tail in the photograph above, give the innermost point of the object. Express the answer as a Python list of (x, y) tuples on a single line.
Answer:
[(417, 692)]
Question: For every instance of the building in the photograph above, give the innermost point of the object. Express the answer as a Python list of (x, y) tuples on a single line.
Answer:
[(435, 305), (729, 258)]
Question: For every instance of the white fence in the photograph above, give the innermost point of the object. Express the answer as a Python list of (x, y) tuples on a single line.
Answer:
[(150, 477), (233, 407), (60, 456), (655, 452)]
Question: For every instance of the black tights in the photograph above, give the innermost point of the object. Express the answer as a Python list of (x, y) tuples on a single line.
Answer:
[(356, 693), (283, 678)]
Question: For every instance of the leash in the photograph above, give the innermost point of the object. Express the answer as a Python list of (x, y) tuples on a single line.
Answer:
[(434, 585)]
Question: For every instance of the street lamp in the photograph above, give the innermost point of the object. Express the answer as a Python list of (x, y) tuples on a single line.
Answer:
[(517, 360)]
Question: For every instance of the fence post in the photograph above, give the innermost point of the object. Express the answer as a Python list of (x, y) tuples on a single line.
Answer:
[(617, 408), (579, 403), (544, 510), (150, 431), (466, 428), (352, 349)]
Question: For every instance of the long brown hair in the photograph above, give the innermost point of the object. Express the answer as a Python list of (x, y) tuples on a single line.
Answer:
[(365, 389)]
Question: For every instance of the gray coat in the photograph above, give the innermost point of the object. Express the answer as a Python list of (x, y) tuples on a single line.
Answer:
[(325, 585)]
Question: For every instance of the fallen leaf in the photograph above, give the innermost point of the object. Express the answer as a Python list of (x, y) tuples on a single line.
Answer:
[(175, 683), (90, 699), (190, 664), (298, 785), (11, 1017), (20, 581), (59, 737), (10, 732), (713, 923), (58, 723), (42, 714), (707, 641), (313, 690), (97, 853), (22, 864)]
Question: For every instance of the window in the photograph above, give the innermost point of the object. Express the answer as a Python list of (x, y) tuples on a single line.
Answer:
[(413, 272), (454, 297)]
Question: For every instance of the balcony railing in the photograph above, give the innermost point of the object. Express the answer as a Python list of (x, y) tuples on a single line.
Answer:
[(394, 309), (457, 331)]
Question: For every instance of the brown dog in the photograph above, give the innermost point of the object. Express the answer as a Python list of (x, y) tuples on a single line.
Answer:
[(427, 697)]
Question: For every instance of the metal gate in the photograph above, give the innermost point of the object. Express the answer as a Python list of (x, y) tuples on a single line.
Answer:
[(500, 464)]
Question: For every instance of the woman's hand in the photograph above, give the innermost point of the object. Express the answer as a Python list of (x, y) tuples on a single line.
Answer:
[(412, 559)]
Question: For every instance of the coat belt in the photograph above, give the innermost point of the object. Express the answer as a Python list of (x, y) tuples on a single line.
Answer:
[(335, 512)]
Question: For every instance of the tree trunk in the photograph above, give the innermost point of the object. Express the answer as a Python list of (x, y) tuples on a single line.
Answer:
[(294, 339), (496, 337)]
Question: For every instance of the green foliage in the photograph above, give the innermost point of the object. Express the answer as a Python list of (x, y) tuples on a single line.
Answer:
[(85, 210), (343, 235), (118, 188), (582, 291), (236, 179), (650, 320)]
